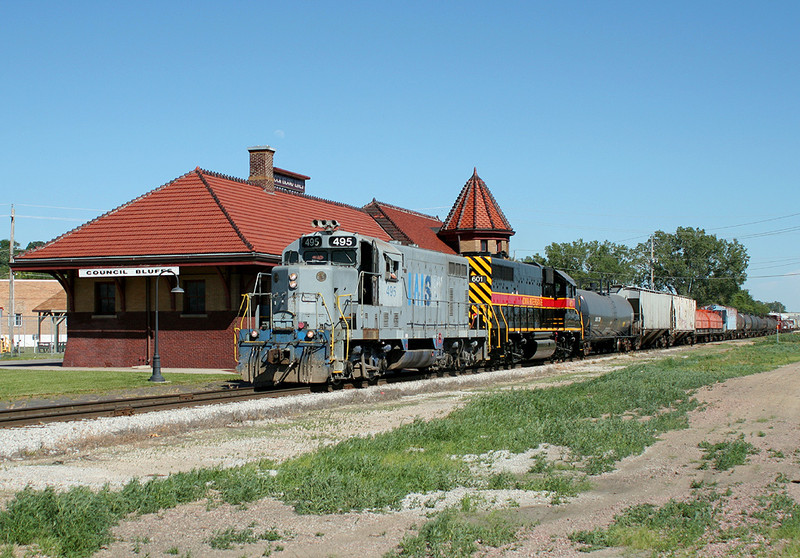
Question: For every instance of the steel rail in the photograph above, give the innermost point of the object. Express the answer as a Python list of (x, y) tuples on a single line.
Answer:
[(128, 406)]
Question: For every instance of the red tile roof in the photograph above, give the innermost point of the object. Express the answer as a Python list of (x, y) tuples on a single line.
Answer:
[(407, 226), (476, 210), (202, 214)]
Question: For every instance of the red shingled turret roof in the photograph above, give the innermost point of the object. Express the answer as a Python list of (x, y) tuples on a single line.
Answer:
[(201, 216), (476, 210), (408, 227)]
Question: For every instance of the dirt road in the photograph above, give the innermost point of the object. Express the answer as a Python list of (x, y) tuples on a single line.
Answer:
[(764, 408)]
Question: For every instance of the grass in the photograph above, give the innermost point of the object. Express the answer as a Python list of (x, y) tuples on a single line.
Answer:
[(598, 422), (19, 384), (27, 353), (726, 455), (453, 533), (676, 525), (687, 528), (225, 539)]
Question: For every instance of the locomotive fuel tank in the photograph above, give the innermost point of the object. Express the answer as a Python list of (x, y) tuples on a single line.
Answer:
[(607, 320)]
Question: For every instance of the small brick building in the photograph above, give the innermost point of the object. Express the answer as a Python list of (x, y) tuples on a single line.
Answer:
[(219, 232)]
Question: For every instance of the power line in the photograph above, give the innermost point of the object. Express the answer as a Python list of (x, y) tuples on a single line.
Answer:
[(755, 222), (55, 207), (49, 218), (771, 233), (754, 235)]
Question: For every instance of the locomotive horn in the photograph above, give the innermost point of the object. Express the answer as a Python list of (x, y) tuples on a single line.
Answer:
[(325, 224)]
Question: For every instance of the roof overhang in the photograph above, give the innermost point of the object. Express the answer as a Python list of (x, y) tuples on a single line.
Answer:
[(58, 264)]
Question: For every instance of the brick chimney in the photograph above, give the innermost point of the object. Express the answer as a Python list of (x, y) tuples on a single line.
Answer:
[(261, 167)]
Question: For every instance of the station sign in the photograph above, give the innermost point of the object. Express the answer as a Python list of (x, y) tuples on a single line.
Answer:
[(127, 271)]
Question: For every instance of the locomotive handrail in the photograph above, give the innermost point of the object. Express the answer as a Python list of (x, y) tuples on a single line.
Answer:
[(503, 315), (346, 327), (236, 330)]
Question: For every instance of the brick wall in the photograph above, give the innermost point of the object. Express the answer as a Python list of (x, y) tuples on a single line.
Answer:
[(122, 340)]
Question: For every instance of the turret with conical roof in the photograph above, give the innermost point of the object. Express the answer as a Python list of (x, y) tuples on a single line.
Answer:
[(476, 223)]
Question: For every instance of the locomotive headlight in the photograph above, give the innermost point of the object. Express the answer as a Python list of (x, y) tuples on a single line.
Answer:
[(292, 284), (293, 277), (310, 335), (253, 334)]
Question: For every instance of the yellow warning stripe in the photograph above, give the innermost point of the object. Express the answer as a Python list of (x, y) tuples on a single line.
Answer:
[(480, 279), (481, 265)]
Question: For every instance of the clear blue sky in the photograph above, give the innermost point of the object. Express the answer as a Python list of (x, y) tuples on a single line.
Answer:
[(594, 120)]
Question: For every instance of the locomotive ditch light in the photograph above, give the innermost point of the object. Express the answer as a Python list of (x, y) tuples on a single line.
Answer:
[(292, 284), (253, 334), (310, 334), (293, 277)]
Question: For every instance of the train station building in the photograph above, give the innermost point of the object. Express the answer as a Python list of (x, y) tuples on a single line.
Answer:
[(215, 233)]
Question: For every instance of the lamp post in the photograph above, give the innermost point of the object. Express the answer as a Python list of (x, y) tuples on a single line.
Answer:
[(156, 376)]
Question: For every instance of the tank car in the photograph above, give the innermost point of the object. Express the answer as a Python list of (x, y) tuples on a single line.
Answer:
[(607, 322)]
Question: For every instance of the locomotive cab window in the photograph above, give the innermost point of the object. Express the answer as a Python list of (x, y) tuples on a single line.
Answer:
[(291, 257), (315, 257), (392, 267), (343, 257)]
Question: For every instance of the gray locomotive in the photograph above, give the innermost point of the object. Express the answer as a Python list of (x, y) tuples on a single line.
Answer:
[(345, 306)]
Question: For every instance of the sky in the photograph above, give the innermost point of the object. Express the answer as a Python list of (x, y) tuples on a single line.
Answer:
[(587, 120)]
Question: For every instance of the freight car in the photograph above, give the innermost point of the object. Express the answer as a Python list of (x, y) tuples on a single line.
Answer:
[(709, 326), (659, 319), (732, 323), (607, 321)]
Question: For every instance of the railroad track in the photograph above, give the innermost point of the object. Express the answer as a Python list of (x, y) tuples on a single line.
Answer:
[(128, 406)]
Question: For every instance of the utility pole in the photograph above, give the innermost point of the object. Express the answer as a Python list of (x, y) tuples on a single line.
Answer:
[(652, 263), (11, 314)]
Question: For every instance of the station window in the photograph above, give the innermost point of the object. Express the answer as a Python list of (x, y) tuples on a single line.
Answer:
[(484, 245), (17, 320), (194, 296), (105, 299)]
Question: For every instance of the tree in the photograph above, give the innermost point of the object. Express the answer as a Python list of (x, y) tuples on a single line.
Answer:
[(4, 255), (776, 306), (693, 263), (4, 258), (744, 302), (594, 261)]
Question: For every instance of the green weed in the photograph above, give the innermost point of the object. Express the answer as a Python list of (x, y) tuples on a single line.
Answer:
[(455, 534), (225, 539), (726, 455), (676, 525)]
